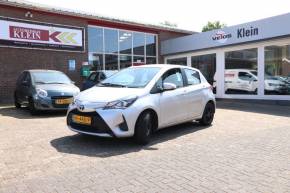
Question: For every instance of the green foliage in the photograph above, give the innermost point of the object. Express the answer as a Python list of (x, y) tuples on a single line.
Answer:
[(168, 24), (213, 25)]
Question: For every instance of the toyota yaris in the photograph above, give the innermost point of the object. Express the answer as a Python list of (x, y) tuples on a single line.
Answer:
[(139, 100)]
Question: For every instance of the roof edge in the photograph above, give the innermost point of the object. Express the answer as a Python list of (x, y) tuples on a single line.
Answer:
[(61, 11)]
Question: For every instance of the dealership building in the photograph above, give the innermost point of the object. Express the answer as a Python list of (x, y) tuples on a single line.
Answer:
[(247, 61)]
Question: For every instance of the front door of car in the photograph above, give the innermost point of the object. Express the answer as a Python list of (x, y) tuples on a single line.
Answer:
[(173, 102), (194, 94)]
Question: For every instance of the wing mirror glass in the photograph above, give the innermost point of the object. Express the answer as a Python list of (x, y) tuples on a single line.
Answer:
[(169, 86)]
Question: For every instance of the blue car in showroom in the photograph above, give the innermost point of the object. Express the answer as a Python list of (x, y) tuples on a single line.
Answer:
[(44, 90)]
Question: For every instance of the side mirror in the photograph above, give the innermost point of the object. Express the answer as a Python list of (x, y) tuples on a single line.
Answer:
[(169, 86)]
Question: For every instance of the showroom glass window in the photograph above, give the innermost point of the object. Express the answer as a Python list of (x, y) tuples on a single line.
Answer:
[(138, 48), (241, 69), (96, 47), (277, 70), (207, 65), (125, 42), (116, 49), (150, 49), (178, 61)]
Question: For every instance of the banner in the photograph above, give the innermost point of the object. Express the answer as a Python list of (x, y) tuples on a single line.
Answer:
[(44, 36)]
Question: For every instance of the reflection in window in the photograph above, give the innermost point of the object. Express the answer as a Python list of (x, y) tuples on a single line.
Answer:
[(178, 61), (174, 77), (207, 65), (96, 60), (192, 76), (95, 39), (125, 61), (241, 72), (125, 40), (150, 45), (111, 41), (138, 60), (111, 61), (277, 70), (110, 44), (138, 43), (151, 60)]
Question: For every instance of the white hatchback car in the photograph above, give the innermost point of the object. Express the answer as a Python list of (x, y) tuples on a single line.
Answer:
[(139, 100)]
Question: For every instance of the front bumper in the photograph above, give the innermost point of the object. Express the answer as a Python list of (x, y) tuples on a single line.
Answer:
[(49, 103), (105, 123)]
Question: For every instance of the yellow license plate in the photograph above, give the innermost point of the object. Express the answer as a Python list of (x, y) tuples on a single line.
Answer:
[(63, 101), (82, 119)]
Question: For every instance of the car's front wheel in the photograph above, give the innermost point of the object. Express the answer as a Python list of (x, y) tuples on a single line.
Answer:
[(143, 128), (208, 114), (31, 106), (16, 103)]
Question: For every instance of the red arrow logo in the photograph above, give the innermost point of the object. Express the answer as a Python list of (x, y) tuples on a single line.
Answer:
[(53, 36)]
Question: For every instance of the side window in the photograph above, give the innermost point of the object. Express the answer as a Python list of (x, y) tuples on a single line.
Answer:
[(245, 76), (192, 76), (173, 76), (102, 76), (93, 77), (27, 78)]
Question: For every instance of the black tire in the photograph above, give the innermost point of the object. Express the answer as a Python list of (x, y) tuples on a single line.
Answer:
[(208, 114), (16, 103), (31, 106), (143, 128)]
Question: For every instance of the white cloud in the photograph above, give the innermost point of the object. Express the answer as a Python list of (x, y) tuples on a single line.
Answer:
[(188, 14)]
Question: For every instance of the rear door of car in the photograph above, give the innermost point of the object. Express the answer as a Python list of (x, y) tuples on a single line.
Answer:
[(195, 94)]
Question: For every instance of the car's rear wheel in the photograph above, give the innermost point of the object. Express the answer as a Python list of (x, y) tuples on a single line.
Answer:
[(16, 103), (31, 106), (208, 114), (143, 128)]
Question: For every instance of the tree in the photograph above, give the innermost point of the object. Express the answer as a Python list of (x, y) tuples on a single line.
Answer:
[(168, 24), (213, 25)]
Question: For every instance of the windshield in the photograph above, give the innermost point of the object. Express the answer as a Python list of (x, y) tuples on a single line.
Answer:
[(131, 77), (50, 78)]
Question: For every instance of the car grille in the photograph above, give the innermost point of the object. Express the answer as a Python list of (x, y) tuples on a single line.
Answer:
[(54, 98), (98, 125)]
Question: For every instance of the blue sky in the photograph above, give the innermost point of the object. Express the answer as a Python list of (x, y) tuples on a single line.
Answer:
[(187, 14)]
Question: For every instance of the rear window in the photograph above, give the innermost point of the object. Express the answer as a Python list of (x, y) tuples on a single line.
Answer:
[(193, 77)]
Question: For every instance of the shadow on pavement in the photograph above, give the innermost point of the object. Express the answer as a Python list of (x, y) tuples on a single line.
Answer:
[(23, 113), (106, 147), (276, 110)]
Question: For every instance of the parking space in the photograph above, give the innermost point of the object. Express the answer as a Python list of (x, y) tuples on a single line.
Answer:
[(247, 149)]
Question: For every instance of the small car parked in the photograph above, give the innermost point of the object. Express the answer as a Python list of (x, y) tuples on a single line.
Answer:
[(140, 100), (96, 77), (44, 90)]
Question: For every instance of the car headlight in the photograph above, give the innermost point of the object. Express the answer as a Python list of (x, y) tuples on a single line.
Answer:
[(41, 93), (120, 104)]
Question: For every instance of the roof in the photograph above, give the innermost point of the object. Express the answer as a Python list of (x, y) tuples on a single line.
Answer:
[(86, 15), (41, 70)]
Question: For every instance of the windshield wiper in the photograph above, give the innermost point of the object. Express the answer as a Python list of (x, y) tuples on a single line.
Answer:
[(112, 84)]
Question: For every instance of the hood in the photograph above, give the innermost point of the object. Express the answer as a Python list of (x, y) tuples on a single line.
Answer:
[(67, 89), (107, 94)]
